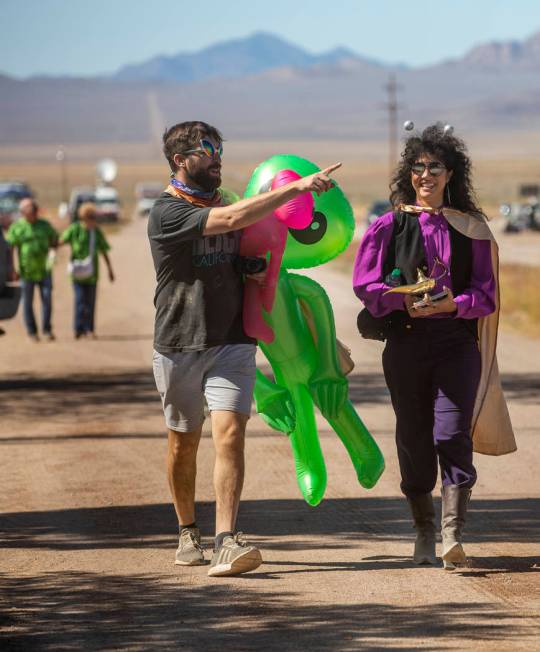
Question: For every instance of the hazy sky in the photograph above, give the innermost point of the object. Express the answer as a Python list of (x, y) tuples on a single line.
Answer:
[(86, 37)]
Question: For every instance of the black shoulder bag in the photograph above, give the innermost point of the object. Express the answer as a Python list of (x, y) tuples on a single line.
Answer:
[(376, 328), (372, 328)]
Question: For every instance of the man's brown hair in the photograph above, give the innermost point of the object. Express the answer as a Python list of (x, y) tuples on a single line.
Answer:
[(184, 136)]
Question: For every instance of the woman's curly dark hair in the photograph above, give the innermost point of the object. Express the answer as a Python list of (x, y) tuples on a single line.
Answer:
[(449, 150)]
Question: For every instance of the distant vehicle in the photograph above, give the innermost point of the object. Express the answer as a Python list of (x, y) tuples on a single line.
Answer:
[(378, 208), (524, 214), (105, 199), (520, 217), (146, 194), (11, 193), (107, 204), (79, 195), (10, 292)]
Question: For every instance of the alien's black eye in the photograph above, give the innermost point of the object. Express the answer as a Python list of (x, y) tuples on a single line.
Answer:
[(312, 233)]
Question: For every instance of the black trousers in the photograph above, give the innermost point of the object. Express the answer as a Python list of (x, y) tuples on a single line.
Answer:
[(432, 369)]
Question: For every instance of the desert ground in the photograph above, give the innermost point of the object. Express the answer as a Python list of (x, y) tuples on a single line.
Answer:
[(500, 165), (88, 533)]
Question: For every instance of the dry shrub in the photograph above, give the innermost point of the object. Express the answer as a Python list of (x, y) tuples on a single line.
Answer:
[(520, 298)]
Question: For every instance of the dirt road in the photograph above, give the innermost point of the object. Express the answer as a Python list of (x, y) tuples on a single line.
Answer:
[(88, 533)]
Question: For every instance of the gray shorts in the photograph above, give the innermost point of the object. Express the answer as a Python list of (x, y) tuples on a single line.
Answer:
[(223, 375)]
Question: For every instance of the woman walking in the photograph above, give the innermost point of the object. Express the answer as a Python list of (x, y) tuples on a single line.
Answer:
[(439, 360), (87, 242)]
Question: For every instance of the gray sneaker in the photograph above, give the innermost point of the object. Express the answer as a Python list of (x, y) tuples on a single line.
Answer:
[(190, 552), (234, 556)]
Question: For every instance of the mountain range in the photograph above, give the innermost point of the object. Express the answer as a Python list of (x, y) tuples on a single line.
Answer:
[(261, 52), (237, 58), (262, 87)]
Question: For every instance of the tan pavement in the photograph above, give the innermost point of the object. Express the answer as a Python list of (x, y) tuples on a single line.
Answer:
[(88, 533)]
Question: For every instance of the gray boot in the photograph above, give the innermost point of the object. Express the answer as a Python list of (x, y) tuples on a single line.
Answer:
[(424, 522), (454, 509)]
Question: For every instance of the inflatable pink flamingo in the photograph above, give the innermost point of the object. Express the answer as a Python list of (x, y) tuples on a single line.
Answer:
[(266, 239)]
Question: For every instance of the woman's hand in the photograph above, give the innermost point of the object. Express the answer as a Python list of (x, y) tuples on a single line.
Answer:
[(445, 305)]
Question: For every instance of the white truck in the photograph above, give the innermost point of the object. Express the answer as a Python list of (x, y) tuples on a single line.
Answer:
[(107, 204)]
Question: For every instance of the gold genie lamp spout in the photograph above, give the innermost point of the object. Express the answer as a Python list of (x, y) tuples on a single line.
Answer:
[(422, 286)]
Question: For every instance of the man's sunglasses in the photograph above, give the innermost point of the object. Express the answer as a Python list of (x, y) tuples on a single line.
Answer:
[(434, 168), (207, 147)]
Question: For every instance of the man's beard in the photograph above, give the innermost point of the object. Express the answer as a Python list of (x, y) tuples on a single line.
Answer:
[(203, 179)]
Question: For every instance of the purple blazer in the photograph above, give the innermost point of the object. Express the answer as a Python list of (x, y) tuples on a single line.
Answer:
[(478, 300)]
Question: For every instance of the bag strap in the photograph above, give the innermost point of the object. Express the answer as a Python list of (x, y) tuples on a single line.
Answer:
[(92, 244), (389, 261)]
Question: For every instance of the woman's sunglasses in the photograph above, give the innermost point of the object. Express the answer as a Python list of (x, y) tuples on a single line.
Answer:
[(434, 168), (207, 147)]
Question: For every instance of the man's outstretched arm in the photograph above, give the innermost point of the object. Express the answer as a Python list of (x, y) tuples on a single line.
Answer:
[(251, 210)]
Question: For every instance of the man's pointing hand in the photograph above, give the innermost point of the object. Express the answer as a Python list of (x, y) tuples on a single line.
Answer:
[(319, 182)]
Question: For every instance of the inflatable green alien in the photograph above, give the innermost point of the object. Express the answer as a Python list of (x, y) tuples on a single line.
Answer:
[(303, 355)]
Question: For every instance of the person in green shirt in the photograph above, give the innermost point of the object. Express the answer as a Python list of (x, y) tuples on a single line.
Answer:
[(34, 240), (87, 242)]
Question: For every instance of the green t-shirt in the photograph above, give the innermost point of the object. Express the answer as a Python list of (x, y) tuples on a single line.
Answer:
[(33, 242), (79, 239)]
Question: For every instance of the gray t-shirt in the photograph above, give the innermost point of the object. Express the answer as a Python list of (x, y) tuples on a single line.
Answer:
[(199, 293)]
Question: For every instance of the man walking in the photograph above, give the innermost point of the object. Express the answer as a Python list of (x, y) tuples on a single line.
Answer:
[(33, 237), (201, 351)]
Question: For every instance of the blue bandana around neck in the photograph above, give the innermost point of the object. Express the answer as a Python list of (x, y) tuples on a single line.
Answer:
[(191, 191)]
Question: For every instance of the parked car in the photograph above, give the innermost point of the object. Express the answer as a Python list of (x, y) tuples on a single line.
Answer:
[(146, 194), (10, 292), (107, 204), (11, 193), (79, 195), (104, 197), (378, 208), (520, 217), (524, 214)]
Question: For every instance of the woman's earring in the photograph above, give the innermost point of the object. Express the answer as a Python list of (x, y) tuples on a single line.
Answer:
[(448, 194)]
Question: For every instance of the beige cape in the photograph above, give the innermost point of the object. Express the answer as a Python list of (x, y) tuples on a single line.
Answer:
[(491, 427), (492, 431)]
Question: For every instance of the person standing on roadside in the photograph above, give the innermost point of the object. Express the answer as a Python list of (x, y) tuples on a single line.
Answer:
[(87, 241), (35, 241), (201, 351), (440, 356)]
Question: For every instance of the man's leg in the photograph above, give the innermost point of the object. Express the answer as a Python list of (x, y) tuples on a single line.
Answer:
[(85, 308), (92, 291), (178, 380), (28, 307), (232, 554), (78, 308), (228, 432), (45, 290), (181, 472), (229, 391)]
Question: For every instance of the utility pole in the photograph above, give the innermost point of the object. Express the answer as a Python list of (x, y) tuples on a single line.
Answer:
[(61, 158), (392, 107)]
